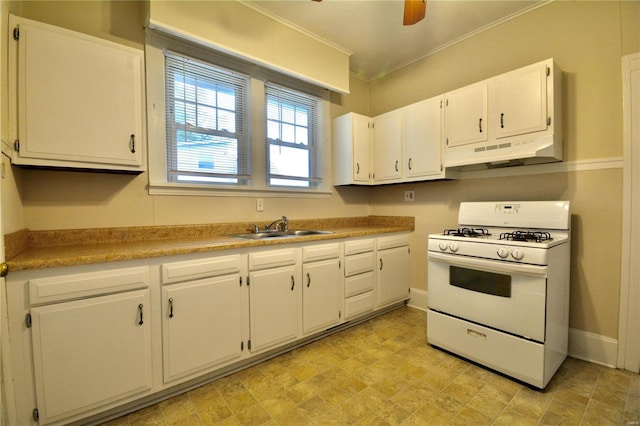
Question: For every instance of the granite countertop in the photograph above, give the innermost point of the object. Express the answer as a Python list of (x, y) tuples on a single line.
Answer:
[(49, 249)]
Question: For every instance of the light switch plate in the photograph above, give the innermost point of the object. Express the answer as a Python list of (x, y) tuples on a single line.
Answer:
[(259, 205)]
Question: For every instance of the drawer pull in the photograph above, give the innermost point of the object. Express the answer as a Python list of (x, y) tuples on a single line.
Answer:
[(474, 333)]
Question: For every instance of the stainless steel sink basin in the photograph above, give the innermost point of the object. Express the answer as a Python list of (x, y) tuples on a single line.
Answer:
[(281, 234)]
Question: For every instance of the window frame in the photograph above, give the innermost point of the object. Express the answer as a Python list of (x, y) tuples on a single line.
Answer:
[(159, 184)]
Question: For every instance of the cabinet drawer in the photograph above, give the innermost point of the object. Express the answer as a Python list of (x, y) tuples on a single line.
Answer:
[(519, 358), (201, 268), (358, 305), (358, 246), (320, 252), (272, 259), (358, 284), (75, 286), (392, 241), (359, 263)]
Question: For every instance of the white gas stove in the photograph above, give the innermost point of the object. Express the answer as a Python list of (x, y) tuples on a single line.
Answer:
[(498, 288)]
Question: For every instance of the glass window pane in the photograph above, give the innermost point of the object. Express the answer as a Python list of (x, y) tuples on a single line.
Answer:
[(289, 161), (273, 130), (288, 133), (226, 121), (207, 94), (206, 117), (226, 98), (288, 113), (302, 117), (302, 135), (273, 109)]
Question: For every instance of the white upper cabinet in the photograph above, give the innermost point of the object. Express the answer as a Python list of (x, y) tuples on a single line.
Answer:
[(519, 101), (387, 146), (77, 99), (466, 115), (422, 139), (352, 149)]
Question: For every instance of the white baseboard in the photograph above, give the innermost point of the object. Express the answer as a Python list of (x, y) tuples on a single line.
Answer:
[(593, 347), (418, 299), (583, 345)]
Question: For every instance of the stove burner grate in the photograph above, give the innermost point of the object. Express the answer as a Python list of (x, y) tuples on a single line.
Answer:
[(467, 232), (534, 236)]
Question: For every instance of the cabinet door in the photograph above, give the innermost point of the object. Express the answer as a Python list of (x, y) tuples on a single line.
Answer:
[(321, 295), (387, 135), (91, 352), (202, 325), (79, 100), (519, 100), (352, 149), (466, 115), (422, 138), (274, 306), (393, 275), (361, 148)]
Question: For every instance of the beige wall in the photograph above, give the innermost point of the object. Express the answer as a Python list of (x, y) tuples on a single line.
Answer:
[(587, 41)]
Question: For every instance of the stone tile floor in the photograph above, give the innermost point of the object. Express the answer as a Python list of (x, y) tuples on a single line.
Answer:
[(382, 372)]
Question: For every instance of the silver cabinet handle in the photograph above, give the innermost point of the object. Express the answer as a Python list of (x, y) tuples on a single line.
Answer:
[(396, 165), (132, 144), (409, 164), (381, 264), (357, 168)]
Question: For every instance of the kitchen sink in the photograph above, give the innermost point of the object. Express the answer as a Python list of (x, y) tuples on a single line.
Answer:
[(281, 234)]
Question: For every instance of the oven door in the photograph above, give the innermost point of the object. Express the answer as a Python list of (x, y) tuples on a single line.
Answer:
[(506, 296)]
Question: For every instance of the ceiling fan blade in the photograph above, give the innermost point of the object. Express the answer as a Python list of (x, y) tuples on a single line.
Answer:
[(414, 11)]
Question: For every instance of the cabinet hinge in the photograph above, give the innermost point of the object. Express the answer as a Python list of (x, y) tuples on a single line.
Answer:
[(249, 344), (16, 145), (16, 33), (36, 415), (548, 71), (548, 121), (27, 320)]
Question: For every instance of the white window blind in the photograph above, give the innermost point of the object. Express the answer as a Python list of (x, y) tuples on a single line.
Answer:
[(206, 123), (293, 156)]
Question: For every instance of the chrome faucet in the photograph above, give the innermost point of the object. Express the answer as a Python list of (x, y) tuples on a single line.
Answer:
[(280, 225)]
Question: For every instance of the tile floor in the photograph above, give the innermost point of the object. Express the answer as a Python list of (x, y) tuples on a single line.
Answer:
[(383, 373)]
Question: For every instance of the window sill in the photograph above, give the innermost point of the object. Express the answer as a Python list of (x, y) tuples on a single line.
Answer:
[(217, 191)]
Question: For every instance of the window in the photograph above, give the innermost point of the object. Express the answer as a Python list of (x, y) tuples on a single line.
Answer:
[(207, 141), (219, 125), (291, 142)]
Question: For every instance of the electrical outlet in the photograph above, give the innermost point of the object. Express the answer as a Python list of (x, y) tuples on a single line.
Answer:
[(409, 196), (259, 205)]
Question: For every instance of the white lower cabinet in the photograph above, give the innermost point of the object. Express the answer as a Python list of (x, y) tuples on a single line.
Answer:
[(90, 352), (393, 263), (274, 298), (322, 284), (203, 320)]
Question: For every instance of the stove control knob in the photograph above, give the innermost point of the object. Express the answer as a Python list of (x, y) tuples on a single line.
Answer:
[(517, 254), (503, 252), (453, 247), (443, 246)]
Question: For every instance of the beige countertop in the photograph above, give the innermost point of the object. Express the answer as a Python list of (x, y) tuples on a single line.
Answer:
[(49, 249)]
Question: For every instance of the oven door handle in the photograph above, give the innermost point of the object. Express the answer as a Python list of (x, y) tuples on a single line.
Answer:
[(507, 268)]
